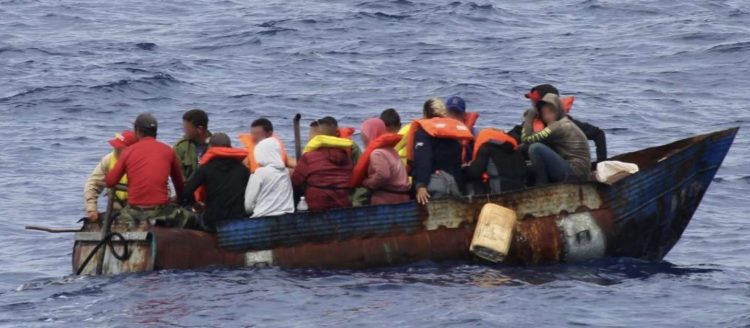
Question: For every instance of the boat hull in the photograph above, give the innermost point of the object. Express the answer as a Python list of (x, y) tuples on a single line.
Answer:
[(643, 216)]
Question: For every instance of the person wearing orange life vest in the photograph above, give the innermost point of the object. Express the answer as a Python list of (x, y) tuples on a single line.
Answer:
[(435, 150), (498, 166), (224, 178), (96, 182), (261, 129), (593, 133), (380, 169), (457, 109)]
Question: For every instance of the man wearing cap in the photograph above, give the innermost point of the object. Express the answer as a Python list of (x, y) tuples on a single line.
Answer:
[(457, 110), (592, 132), (96, 181), (149, 164)]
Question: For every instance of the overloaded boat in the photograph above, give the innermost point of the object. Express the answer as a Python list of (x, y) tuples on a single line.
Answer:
[(641, 216)]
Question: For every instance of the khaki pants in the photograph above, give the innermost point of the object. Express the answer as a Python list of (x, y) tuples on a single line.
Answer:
[(167, 216)]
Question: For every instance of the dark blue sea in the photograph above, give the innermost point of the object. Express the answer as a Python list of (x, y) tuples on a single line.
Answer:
[(72, 73)]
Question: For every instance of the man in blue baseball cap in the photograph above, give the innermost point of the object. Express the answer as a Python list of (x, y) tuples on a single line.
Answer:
[(457, 110)]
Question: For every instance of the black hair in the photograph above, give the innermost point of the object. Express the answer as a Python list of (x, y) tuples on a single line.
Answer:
[(146, 132), (263, 123), (328, 125), (391, 118), (328, 120), (220, 140), (198, 118)]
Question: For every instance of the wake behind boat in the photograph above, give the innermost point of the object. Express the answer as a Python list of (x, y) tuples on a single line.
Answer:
[(641, 216)]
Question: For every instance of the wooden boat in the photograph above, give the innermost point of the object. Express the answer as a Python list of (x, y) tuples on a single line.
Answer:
[(642, 216)]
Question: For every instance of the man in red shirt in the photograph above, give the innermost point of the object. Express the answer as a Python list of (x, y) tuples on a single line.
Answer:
[(149, 164)]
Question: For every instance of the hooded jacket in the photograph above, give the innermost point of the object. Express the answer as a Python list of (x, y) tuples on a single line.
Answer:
[(563, 136), (224, 179), (325, 174), (269, 191), (591, 131)]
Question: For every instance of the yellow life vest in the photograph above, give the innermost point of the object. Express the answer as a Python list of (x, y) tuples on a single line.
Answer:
[(120, 195), (323, 141), (401, 146)]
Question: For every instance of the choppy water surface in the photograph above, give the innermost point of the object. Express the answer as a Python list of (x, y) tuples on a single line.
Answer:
[(72, 73)]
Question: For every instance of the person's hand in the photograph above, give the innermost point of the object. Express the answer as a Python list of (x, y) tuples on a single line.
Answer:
[(423, 196), (93, 216)]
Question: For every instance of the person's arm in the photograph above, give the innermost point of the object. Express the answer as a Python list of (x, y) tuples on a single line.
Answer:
[(600, 141), (356, 154), (378, 172), (114, 175), (176, 174), (595, 134), (198, 179), (479, 166), (252, 191), (548, 132), (299, 176), (291, 162), (516, 133), (95, 184), (422, 159)]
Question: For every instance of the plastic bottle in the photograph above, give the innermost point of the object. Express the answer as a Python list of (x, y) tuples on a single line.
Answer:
[(302, 205)]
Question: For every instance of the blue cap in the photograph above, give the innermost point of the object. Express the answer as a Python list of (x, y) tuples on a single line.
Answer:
[(456, 104)]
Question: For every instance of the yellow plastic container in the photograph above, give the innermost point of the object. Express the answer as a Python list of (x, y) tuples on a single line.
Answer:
[(493, 233)]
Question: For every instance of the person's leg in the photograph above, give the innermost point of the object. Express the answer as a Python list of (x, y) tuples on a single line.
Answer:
[(548, 166)]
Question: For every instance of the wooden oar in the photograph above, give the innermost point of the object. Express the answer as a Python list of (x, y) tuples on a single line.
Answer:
[(297, 136), (106, 226)]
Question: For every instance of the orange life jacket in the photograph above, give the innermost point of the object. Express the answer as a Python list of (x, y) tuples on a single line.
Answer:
[(388, 140), (217, 152), (247, 140), (437, 127), (470, 119), (567, 104), (346, 133), (492, 135)]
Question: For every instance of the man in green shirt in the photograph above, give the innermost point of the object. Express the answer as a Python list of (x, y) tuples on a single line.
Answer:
[(195, 142)]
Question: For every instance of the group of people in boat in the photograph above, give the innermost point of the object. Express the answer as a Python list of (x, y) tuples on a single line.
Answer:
[(442, 154)]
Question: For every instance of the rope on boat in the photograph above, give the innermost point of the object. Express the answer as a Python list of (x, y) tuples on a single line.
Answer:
[(107, 240)]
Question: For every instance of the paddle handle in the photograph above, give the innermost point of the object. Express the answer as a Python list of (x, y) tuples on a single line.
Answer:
[(297, 136)]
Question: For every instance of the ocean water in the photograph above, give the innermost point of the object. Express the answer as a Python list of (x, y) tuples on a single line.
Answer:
[(72, 73)]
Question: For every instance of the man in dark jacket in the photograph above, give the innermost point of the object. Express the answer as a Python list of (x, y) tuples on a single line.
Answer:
[(224, 178), (436, 168), (504, 166), (592, 132)]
